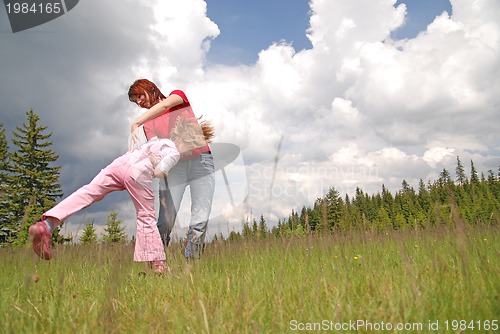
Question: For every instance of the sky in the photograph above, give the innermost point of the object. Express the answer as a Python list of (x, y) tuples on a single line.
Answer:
[(314, 94)]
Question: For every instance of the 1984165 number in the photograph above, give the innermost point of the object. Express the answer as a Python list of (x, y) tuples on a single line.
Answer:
[(463, 325), (34, 8)]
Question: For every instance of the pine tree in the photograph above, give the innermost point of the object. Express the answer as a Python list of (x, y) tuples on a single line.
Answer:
[(334, 207), (89, 235), (262, 232), (474, 178), (247, 232), (4, 161), (442, 187), (383, 221), (234, 236), (303, 216), (461, 178), (34, 184), (423, 197), (314, 215), (255, 229), (293, 220), (408, 203), (474, 182), (322, 226), (5, 229), (115, 233), (58, 238)]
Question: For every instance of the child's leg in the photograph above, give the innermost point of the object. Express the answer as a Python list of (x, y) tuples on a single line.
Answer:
[(148, 244), (108, 180)]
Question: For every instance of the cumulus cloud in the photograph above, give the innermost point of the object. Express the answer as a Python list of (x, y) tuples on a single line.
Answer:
[(436, 154), (363, 109), (358, 109)]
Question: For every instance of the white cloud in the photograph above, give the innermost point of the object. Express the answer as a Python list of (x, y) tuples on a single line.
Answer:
[(436, 154)]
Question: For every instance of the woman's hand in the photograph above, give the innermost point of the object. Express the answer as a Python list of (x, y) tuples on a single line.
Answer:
[(155, 159), (159, 174), (135, 141)]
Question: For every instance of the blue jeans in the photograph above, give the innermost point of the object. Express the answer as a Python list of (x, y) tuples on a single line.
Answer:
[(198, 174)]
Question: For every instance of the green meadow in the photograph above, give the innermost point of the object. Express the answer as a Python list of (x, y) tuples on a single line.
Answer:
[(420, 281)]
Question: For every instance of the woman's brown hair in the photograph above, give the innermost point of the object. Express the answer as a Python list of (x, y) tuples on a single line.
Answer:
[(144, 85)]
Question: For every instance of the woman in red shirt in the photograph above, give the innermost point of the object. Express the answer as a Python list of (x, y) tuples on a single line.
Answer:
[(195, 170)]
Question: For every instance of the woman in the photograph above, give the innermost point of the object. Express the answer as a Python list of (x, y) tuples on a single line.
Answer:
[(195, 170)]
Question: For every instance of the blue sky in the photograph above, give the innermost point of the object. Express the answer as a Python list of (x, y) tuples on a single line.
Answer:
[(374, 94), (248, 26)]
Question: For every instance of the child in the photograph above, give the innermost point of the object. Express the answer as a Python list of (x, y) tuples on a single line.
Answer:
[(134, 172)]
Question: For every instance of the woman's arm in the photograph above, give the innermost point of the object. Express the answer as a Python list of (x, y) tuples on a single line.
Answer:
[(158, 109)]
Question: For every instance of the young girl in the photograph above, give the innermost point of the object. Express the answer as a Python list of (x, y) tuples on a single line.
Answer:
[(133, 171)]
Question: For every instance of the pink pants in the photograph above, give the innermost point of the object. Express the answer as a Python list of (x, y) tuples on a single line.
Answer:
[(132, 172)]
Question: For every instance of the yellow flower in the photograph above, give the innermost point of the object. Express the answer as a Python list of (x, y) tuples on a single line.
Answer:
[(355, 257)]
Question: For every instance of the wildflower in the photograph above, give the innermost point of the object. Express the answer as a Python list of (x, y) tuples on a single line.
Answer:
[(356, 257), (36, 278)]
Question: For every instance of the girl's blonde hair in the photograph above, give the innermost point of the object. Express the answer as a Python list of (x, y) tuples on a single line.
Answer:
[(195, 134)]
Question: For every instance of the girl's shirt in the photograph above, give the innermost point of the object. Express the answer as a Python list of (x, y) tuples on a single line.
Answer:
[(163, 149)]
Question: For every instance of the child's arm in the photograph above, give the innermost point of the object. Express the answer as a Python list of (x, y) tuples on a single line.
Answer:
[(170, 157)]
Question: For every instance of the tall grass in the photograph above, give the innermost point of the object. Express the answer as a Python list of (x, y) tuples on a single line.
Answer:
[(417, 279)]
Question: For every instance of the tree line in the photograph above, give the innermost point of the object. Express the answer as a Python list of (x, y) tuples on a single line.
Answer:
[(29, 186), (446, 201)]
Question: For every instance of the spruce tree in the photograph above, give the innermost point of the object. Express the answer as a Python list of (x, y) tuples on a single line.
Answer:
[(5, 227), (474, 178), (408, 203), (262, 231), (255, 229), (247, 231), (34, 180), (334, 207), (383, 221), (424, 198), (234, 236), (474, 181), (115, 233), (315, 215), (4, 161), (461, 178), (89, 235)]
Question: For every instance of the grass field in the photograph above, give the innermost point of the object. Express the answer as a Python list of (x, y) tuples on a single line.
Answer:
[(440, 281)]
